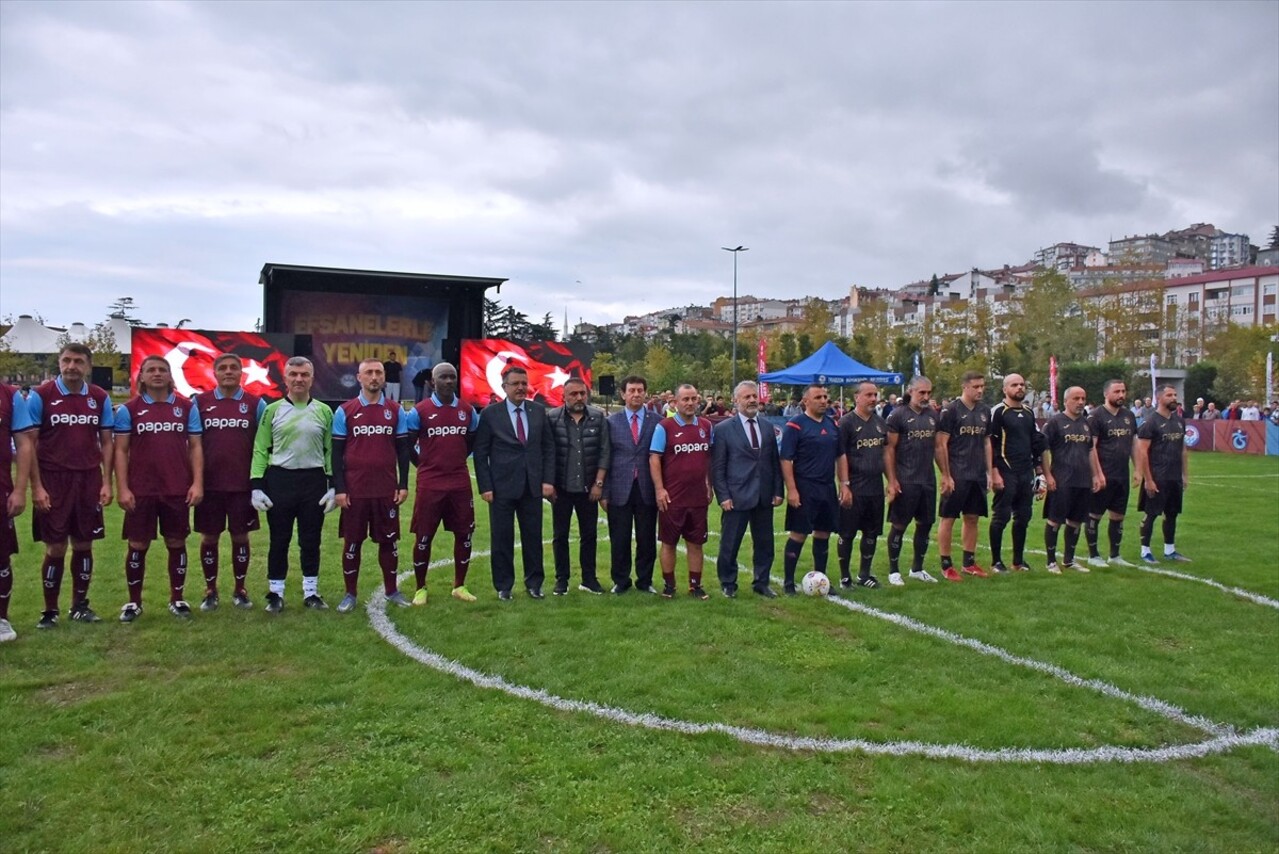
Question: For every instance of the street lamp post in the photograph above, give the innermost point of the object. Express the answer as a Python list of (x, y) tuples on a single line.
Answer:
[(735, 251)]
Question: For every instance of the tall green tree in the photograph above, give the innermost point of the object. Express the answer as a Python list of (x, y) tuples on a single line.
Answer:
[(1050, 322)]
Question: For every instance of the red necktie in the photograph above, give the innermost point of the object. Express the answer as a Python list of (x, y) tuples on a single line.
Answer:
[(635, 427), (519, 426), (754, 434)]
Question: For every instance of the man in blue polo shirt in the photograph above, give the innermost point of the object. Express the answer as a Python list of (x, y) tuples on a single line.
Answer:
[(810, 461)]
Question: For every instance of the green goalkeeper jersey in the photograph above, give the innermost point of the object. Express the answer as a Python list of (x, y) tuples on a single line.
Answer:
[(294, 436)]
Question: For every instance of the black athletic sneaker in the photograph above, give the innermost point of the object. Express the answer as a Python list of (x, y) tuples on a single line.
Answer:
[(869, 581), (82, 613), (130, 612), (210, 602), (846, 582), (789, 590), (560, 588), (48, 620), (315, 603), (180, 609), (998, 566), (241, 600), (668, 591), (697, 592), (274, 603)]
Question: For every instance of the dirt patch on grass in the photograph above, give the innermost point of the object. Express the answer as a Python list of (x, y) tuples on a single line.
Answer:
[(66, 694), (389, 846)]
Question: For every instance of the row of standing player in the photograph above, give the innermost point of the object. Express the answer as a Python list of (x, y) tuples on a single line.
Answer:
[(295, 446), (225, 454)]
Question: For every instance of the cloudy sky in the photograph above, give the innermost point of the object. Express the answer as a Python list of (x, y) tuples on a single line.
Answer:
[(599, 154)]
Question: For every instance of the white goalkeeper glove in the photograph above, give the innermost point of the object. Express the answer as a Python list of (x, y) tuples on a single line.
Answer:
[(1041, 487), (260, 501), (329, 501)]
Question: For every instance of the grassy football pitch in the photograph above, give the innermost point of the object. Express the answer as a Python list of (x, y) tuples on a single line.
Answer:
[(1116, 710)]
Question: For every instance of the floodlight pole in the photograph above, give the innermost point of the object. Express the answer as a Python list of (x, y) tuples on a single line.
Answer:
[(733, 387)]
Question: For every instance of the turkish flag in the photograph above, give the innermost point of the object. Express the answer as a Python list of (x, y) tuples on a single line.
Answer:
[(550, 364), (191, 352)]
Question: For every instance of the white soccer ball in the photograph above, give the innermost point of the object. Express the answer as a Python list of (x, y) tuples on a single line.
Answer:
[(816, 584)]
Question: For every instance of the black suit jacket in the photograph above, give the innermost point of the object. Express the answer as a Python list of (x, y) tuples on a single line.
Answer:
[(505, 466), (738, 471)]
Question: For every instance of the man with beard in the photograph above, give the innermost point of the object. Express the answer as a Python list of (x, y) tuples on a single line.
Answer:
[(680, 463), (1017, 449), (1072, 475), (1114, 429), (1165, 471), (810, 462), (582, 452), (863, 436), (442, 427), (159, 475), (747, 477), (966, 460), (370, 481), (909, 454), (71, 478), (230, 417)]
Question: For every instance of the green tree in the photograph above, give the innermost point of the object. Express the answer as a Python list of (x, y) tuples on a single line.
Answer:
[(1199, 381), (124, 308), (1050, 322), (1239, 353)]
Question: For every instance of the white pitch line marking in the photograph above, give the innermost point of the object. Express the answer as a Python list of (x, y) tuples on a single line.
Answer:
[(1224, 737)]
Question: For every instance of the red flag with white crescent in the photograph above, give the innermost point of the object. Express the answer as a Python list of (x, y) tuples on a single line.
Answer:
[(550, 364), (191, 352)]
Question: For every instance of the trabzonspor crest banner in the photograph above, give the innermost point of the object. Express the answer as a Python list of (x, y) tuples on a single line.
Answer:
[(190, 354), (550, 364)]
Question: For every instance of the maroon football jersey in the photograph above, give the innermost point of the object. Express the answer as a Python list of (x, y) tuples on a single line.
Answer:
[(686, 461), (159, 449), (6, 441), (369, 459), (444, 437), (230, 424), (69, 425)]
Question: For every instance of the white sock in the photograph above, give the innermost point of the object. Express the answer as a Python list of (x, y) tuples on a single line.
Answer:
[(1145, 550), (310, 585), (276, 587), (1169, 548)]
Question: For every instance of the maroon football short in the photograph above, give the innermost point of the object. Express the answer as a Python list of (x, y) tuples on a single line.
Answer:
[(375, 518), (74, 511), (686, 522), (169, 512), (455, 508), (8, 534), (226, 511)]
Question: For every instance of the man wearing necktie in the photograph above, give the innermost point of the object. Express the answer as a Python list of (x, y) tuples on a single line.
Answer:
[(629, 498), (514, 471), (747, 475)]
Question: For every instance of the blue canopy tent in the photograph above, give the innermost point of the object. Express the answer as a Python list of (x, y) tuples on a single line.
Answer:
[(830, 366)]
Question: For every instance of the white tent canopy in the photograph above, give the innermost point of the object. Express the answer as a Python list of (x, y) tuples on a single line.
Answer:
[(29, 336)]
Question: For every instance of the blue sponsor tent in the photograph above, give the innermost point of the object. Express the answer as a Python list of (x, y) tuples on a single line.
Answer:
[(830, 366)]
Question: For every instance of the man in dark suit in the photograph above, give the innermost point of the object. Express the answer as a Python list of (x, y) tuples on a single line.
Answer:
[(629, 498), (747, 475), (514, 471)]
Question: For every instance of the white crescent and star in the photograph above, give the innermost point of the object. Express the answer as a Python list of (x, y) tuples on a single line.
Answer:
[(177, 357), (256, 372)]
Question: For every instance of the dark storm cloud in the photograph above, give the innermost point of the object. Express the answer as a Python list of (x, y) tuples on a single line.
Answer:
[(619, 145)]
